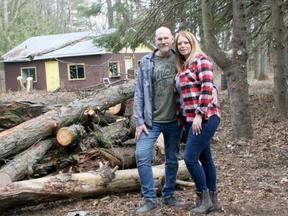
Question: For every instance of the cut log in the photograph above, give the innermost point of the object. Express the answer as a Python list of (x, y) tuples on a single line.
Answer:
[(70, 135), (118, 109), (22, 163), (29, 84), (58, 159), (115, 109), (158, 156), (129, 114), (66, 186), (20, 83), (103, 119), (21, 137), (185, 183), (13, 113), (123, 157)]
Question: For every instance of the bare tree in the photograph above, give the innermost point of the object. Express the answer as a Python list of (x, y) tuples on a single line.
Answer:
[(234, 68), (110, 14), (278, 41)]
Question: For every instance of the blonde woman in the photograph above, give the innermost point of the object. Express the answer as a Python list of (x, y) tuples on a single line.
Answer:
[(200, 116)]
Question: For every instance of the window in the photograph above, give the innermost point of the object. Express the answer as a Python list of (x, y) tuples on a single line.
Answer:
[(114, 69), (76, 71), (28, 72)]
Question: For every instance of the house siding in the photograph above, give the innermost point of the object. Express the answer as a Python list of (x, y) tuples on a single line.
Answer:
[(96, 68), (13, 70)]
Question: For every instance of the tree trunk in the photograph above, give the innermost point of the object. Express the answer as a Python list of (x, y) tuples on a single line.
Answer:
[(235, 69), (110, 15), (264, 66), (129, 114), (238, 85), (26, 134), (66, 186), (280, 80), (13, 113), (22, 164), (91, 159), (58, 159)]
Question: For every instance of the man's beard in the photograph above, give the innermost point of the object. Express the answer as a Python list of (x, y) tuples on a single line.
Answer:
[(164, 50)]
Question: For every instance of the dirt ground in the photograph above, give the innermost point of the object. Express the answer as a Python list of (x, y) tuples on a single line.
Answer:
[(252, 175)]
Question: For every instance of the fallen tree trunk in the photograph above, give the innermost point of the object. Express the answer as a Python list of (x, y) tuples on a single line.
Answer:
[(106, 137), (58, 159), (22, 164), (112, 135), (21, 137), (13, 113), (66, 186), (90, 160)]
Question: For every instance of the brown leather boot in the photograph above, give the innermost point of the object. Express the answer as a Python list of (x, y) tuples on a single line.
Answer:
[(205, 206), (214, 199)]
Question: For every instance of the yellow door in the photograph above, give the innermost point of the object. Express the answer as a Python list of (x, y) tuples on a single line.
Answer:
[(52, 76)]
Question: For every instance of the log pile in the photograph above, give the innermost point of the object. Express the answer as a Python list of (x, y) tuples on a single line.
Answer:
[(75, 151)]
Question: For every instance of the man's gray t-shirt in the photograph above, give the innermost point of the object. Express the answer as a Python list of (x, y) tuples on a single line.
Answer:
[(163, 83)]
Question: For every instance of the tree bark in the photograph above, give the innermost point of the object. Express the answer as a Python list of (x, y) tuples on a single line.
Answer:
[(58, 159), (65, 186), (91, 159), (280, 79), (235, 68), (111, 135), (13, 113), (22, 164), (26, 134)]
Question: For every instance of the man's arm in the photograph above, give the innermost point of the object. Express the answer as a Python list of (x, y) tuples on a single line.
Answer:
[(139, 106)]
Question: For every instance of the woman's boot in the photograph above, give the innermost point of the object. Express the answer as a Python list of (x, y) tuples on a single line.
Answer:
[(198, 200), (206, 204), (214, 199)]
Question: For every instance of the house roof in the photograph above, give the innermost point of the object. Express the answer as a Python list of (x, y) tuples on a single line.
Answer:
[(56, 46)]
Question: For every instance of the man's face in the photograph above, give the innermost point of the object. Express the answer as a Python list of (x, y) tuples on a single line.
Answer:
[(164, 41)]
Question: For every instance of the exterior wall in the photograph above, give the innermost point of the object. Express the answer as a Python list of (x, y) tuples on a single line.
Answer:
[(96, 68), (13, 70)]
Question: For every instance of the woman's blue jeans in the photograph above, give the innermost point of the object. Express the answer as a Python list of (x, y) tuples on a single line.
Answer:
[(198, 149), (144, 148)]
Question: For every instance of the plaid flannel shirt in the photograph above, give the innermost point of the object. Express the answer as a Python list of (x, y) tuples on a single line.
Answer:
[(196, 83)]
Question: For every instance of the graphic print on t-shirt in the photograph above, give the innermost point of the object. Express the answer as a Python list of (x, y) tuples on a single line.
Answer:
[(163, 81)]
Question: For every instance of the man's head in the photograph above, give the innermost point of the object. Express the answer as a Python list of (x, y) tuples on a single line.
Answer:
[(164, 41)]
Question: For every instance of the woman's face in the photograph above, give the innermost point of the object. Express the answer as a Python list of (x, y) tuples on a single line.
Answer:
[(184, 46)]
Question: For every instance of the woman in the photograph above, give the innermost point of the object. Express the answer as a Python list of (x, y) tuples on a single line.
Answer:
[(200, 116)]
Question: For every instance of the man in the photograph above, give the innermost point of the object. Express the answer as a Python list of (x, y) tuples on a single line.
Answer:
[(155, 112)]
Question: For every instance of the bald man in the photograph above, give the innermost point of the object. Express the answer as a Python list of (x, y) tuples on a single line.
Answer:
[(155, 113)]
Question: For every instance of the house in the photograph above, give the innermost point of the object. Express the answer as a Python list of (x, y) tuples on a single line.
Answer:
[(70, 61)]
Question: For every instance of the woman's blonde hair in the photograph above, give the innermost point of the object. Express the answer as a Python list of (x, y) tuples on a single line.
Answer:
[(180, 60)]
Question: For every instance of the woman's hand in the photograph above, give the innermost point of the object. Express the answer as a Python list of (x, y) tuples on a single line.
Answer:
[(197, 125)]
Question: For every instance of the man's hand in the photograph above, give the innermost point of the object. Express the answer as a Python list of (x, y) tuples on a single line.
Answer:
[(139, 130), (214, 96)]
